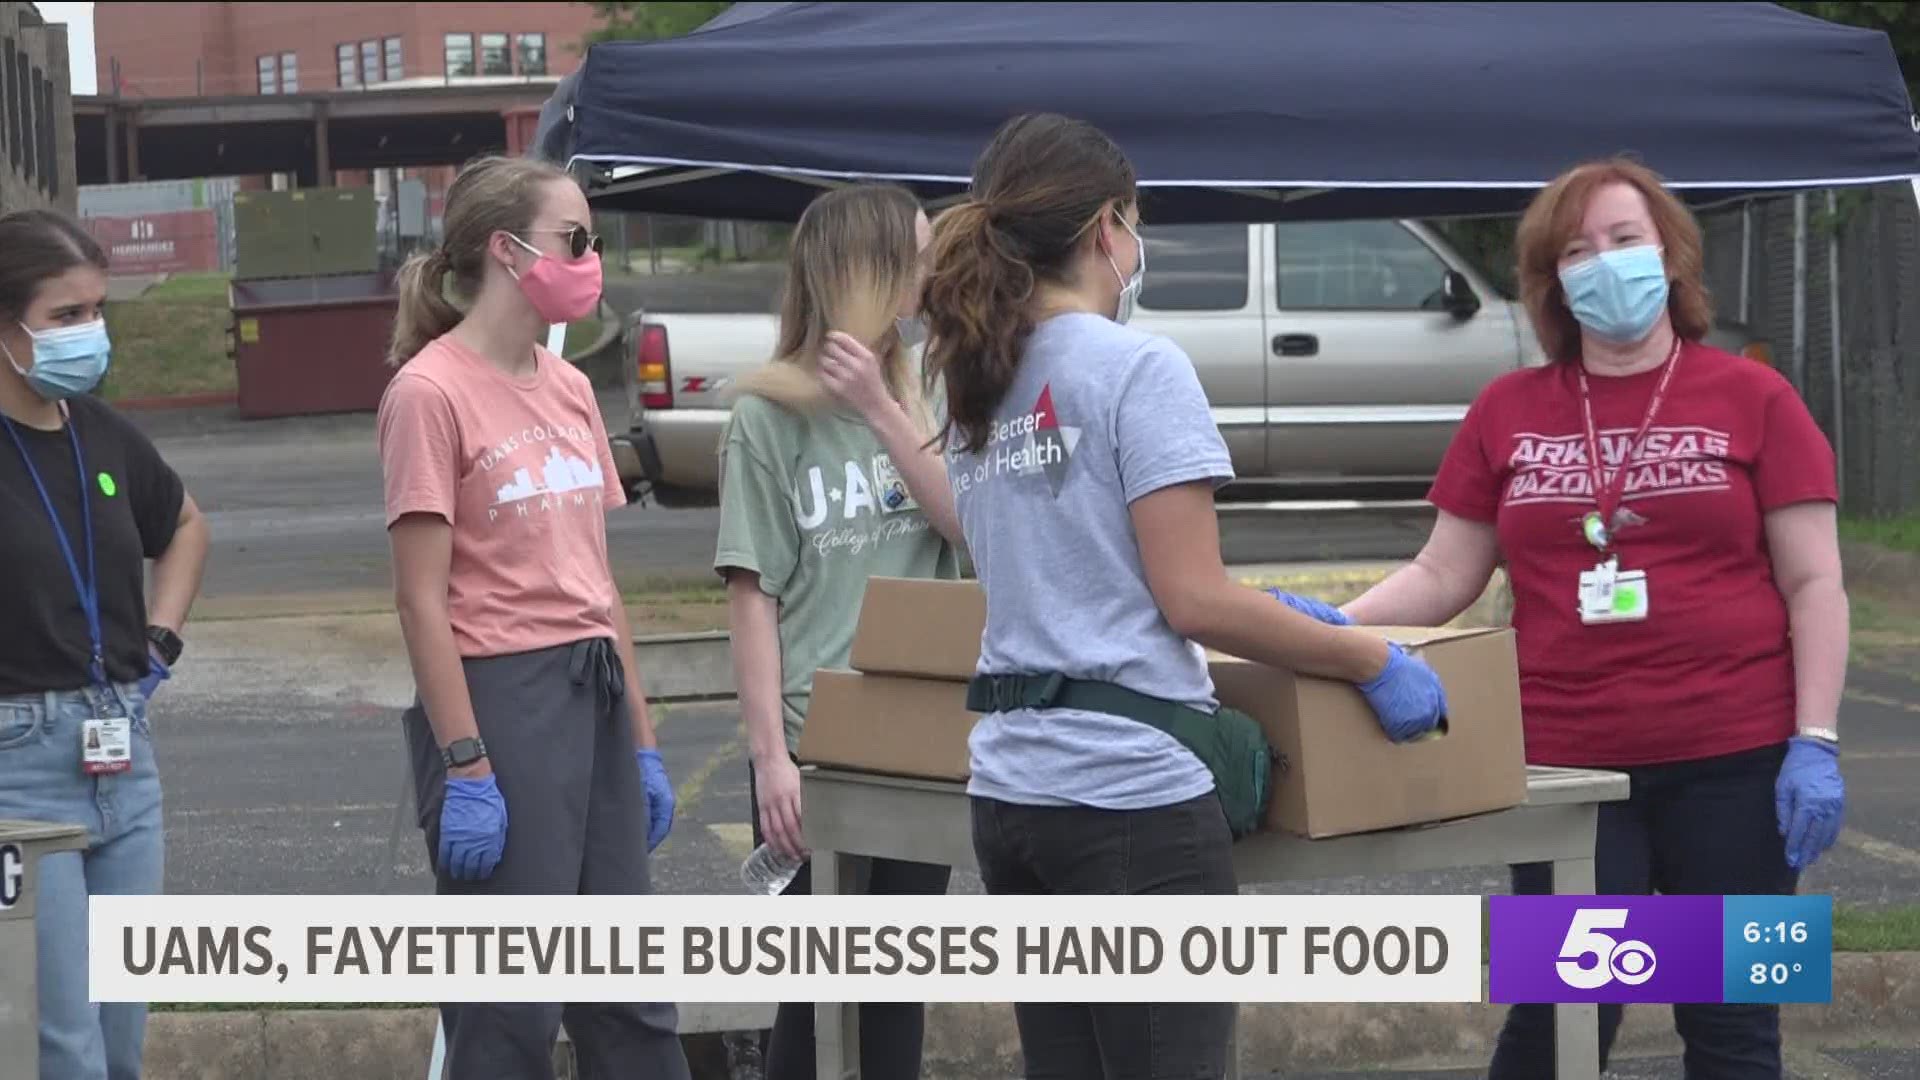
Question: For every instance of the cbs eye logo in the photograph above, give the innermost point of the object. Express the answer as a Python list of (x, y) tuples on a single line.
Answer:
[(1590, 959)]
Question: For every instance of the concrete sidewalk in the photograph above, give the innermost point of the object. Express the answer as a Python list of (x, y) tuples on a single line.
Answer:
[(1876, 1005)]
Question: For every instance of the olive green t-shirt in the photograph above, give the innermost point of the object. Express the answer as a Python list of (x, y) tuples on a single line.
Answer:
[(812, 503)]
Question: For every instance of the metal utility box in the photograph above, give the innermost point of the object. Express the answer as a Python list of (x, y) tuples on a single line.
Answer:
[(310, 345), (316, 231), (22, 843)]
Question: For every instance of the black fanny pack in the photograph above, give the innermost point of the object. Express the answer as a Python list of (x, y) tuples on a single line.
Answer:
[(1228, 742)]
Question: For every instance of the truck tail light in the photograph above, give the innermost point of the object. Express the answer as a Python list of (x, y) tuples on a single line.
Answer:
[(654, 363)]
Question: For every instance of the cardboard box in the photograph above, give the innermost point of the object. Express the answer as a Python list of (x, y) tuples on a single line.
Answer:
[(883, 724), (920, 628), (1340, 774), (903, 712)]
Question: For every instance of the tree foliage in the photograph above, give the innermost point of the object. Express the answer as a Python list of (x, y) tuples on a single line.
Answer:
[(644, 22)]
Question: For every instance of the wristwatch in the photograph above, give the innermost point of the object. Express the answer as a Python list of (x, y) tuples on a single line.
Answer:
[(1820, 734), (166, 643), (462, 752)]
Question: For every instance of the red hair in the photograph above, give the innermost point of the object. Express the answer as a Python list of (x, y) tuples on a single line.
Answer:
[(1554, 219)]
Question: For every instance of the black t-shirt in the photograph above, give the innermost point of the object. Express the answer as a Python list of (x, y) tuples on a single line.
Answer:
[(135, 500)]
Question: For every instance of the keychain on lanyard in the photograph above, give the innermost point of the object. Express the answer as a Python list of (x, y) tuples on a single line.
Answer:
[(1608, 594), (105, 740), (1597, 525)]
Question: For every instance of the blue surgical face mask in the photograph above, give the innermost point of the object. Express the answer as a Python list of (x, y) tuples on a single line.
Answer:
[(912, 330), (67, 360), (1129, 286), (1618, 295)]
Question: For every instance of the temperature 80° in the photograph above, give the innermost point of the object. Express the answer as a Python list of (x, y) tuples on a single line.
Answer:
[(1773, 974)]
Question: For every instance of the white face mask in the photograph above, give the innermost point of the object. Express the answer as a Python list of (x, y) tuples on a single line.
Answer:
[(1129, 287)]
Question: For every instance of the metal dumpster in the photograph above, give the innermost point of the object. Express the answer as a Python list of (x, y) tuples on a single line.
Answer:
[(312, 345), (313, 307), (22, 843)]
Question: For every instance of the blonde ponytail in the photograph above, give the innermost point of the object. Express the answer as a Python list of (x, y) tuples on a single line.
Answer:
[(425, 312)]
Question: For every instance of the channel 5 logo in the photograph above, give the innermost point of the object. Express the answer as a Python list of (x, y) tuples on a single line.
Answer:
[(1591, 957), (1605, 949)]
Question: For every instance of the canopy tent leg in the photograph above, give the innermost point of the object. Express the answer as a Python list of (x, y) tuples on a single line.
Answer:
[(1837, 369), (1800, 291)]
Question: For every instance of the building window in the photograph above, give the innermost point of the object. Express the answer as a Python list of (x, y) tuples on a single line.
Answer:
[(459, 55), (289, 73), (349, 68), (268, 84), (370, 62), (533, 54), (395, 69), (494, 57)]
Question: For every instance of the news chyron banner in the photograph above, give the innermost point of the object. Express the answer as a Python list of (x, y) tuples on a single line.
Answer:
[(1661, 949), (1248, 948)]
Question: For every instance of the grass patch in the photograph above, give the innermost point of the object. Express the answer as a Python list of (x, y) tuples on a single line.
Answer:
[(674, 607), (1886, 930), (1900, 533), (582, 334), (171, 341)]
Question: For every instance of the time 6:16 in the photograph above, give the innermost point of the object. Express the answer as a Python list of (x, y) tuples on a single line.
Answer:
[(1780, 932)]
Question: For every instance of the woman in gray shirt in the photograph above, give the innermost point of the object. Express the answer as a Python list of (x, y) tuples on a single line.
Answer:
[(1084, 459)]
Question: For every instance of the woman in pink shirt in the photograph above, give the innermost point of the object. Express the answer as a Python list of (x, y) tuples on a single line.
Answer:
[(532, 750)]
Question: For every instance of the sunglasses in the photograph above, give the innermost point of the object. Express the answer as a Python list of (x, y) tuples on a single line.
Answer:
[(579, 240)]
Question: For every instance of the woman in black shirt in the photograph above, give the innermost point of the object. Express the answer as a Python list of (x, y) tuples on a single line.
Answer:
[(86, 501)]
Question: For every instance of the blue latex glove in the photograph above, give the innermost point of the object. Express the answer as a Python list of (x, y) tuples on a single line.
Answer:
[(1406, 696), (1809, 800), (157, 673), (1313, 609), (473, 828), (653, 773)]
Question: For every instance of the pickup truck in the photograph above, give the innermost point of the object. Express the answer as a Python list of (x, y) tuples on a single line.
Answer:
[(1333, 353)]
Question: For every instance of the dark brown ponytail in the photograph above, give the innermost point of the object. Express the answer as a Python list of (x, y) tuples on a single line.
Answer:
[(1037, 189)]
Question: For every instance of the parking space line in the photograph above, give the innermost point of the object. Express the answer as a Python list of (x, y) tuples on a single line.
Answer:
[(1802, 1061), (1866, 698), (694, 788), (1884, 850)]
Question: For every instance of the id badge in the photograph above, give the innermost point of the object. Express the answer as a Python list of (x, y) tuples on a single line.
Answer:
[(1609, 594), (106, 745)]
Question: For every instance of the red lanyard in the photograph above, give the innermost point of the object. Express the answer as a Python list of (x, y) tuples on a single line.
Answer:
[(1607, 496)]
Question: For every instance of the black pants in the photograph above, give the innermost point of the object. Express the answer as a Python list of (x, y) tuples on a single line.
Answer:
[(892, 1034), (1692, 827), (1183, 849), (557, 734)]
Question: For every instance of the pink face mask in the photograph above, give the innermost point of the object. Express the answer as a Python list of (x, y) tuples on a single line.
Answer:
[(561, 291)]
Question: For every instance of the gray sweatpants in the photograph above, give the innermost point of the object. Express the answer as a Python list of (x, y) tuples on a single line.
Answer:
[(557, 734)]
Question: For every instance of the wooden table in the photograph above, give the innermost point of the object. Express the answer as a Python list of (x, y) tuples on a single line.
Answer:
[(854, 815)]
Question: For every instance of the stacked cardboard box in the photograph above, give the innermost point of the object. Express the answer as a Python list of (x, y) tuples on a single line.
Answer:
[(902, 711)]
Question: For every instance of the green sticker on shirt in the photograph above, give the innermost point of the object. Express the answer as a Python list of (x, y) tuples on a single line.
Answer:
[(107, 486)]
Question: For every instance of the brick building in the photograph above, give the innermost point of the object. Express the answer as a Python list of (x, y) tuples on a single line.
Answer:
[(36, 112), (233, 49)]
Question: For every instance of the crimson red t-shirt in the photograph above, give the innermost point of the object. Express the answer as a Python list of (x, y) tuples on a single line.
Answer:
[(1709, 671)]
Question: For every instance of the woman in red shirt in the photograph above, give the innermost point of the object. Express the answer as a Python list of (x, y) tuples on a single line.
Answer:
[(1679, 608)]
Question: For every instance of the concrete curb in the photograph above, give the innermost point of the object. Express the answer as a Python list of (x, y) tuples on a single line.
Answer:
[(686, 667), (178, 401), (1876, 999)]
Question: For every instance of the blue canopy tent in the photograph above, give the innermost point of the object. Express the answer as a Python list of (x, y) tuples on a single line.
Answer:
[(1239, 112)]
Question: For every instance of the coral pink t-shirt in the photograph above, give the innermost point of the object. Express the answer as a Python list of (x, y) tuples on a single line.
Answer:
[(522, 471)]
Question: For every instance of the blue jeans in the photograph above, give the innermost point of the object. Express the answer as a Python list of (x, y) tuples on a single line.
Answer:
[(40, 780)]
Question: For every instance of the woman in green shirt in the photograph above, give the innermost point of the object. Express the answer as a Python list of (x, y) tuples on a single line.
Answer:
[(827, 479)]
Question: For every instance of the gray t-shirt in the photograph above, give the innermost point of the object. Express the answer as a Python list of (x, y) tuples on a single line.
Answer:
[(1098, 416)]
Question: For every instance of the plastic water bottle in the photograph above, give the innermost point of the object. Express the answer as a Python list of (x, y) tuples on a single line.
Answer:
[(768, 872)]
